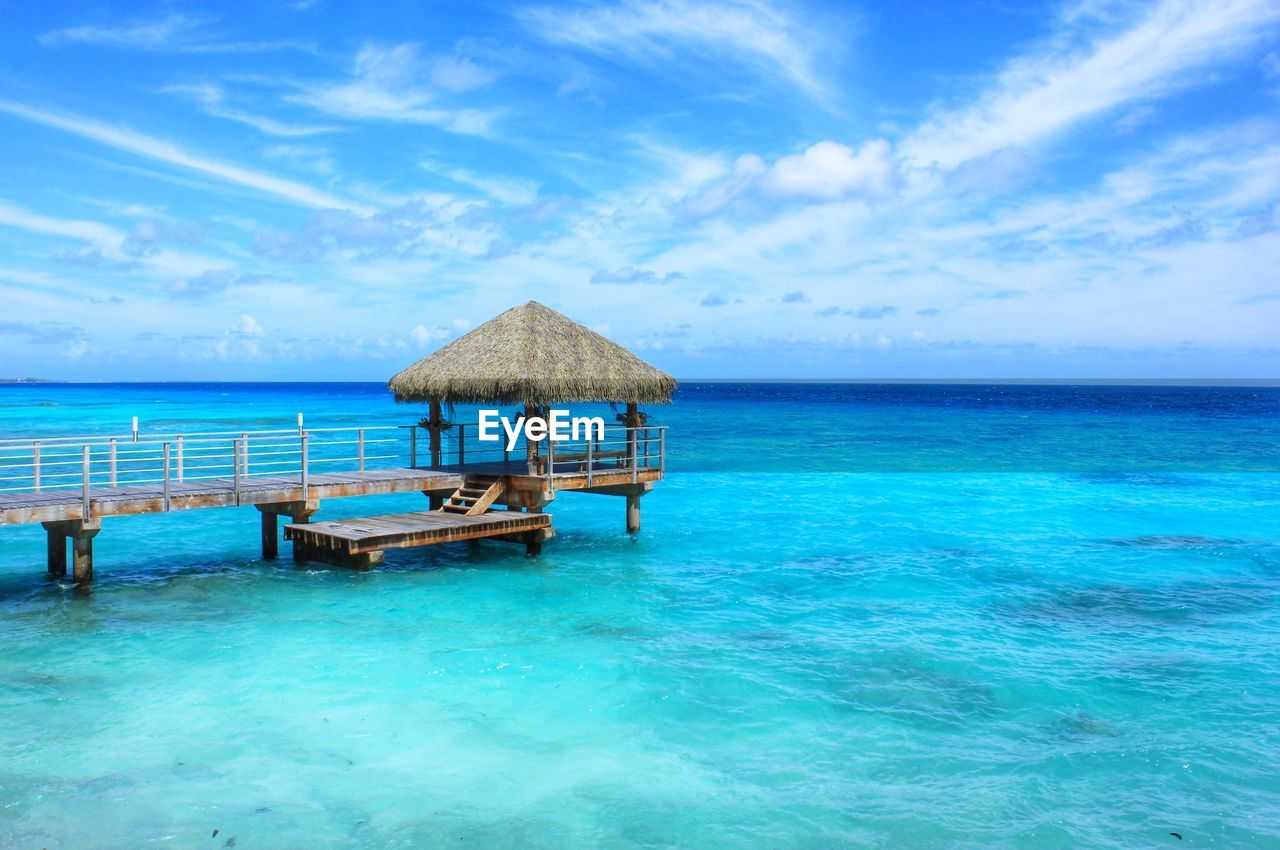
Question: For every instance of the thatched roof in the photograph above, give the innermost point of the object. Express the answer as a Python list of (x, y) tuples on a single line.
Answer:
[(532, 354)]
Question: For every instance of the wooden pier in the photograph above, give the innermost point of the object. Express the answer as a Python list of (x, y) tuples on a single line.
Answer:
[(530, 355), (470, 497)]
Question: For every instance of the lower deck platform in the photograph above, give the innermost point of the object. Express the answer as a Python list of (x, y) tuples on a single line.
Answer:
[(360, 542)]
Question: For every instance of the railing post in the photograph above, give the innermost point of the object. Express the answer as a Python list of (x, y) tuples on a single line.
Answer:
[(662, 451), (300, 428), (235, 467), (35, 463), (113, 461), (304, 466), (166, 477), (84, 482), (590, 458), (244, 453), (359, 446), (462, 444), (413, 446), (180, 458), (135, 429), (631, 450)]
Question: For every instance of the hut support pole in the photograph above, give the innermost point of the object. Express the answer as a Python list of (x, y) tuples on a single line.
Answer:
[(436, 420), (530, 447)]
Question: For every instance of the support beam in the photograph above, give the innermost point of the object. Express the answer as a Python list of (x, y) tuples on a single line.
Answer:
[(81, 533), (270, 536), (57, 551), (82, 555), (299, 512)]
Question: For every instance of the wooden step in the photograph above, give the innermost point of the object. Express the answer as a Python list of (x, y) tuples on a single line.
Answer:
[(476, 495)]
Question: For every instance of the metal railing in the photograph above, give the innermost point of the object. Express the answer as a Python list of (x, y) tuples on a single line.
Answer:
[(63, 465)]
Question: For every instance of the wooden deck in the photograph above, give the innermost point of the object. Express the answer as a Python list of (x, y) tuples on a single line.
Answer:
[(360, 542), (60, 505)]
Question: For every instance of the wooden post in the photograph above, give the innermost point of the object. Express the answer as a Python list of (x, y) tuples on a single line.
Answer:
[(533, 543), (113, 461), (360, 447), (35, 464), (633, 512), (166, 477), (57, 550), (270, 536), (632, 421), (179, 458), (436, 419), (462, 445), (413, 446)]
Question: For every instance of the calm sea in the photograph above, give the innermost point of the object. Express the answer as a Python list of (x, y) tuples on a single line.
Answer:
[(857, 615)]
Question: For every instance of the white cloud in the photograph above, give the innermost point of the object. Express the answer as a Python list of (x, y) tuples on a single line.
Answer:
[(386, 85), (1046, 92), (830, 170), (658, 32), (247, 327), (159, 150)]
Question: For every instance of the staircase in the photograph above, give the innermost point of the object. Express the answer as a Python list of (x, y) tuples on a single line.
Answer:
[(476, 495)]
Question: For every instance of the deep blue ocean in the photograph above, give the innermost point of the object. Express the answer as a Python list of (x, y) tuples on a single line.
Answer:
[(856, 616)]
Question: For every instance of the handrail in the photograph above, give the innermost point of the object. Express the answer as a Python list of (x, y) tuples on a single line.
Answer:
[(49, 464)]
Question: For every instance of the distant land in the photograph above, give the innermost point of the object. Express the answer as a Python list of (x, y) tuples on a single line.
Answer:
[(25, 381)]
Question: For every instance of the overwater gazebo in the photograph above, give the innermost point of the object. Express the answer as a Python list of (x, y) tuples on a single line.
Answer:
[(536, 357)]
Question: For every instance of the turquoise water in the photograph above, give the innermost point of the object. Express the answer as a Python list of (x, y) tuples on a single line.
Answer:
[(856, 616)]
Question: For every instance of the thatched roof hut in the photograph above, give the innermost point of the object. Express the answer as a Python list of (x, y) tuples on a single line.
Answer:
[(532, 355)]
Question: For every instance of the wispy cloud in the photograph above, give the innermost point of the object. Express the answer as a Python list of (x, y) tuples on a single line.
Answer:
[(212, 99), (663, 33), (175, 33), (386, 83), (507, 190), (96, 233), (149, 147), (1045, 92)]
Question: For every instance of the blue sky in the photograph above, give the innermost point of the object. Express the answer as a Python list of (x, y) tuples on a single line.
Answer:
[(294, 191)]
